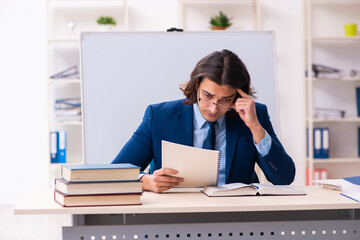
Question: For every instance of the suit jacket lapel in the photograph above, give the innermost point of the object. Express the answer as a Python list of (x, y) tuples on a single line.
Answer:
[(185, 117), (232, 134)]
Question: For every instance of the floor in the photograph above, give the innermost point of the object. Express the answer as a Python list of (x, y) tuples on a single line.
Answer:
[(30, 227)]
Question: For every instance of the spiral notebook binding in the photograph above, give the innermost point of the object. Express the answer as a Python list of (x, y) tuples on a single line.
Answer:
[(218, 167)]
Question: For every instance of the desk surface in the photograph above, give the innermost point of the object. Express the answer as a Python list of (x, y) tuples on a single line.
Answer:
[(316, 198)]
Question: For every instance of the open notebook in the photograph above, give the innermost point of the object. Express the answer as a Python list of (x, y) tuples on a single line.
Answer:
[(199, 167)]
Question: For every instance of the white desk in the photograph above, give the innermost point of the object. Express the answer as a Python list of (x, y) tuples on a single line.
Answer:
[(321, 214)]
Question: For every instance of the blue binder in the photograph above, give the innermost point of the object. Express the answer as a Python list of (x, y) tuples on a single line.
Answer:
[(62, 146), (54, 147), (321, 142), (325, 142), (359, 141), (358, 100), (317, 143)]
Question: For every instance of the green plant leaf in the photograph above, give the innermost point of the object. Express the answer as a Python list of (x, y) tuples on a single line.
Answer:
[(104, 20), (220, 20)]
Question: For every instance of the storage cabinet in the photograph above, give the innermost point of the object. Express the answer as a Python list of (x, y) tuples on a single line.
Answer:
[(326, 45), (66, 20)]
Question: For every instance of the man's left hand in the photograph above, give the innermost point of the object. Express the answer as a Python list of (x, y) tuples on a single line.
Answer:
[(245, 107)]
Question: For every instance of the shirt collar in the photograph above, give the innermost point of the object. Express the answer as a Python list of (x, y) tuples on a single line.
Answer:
[(200, 120)]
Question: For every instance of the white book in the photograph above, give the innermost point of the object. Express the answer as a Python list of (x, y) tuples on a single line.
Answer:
[(199, 167), (241, 189)]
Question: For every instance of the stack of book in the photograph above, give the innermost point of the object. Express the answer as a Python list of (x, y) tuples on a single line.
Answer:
[(68, 110), (349, 186), (329, 113), (98, 185)]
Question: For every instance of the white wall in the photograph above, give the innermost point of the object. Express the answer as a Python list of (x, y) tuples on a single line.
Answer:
[(23, 97), (286, 18), (23, 84)]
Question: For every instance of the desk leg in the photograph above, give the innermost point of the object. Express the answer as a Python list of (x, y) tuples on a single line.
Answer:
[(78, 220)]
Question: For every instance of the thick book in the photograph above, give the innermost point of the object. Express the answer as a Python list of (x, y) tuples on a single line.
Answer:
[(350, 186), (97, 200), (354, 180), (100, 172), (199, 167), (86, 188), (241, 189), (334, 184), (352, 195)]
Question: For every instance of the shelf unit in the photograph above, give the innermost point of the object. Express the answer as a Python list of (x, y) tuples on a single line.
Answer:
[(193, 16), (63, 42), (326, 44)]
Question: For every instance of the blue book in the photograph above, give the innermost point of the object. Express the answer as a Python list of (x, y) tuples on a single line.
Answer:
[(352, 192), (358, 100), (352, 196), (100, 172), (353, 180), (54, 147), (61, 147)]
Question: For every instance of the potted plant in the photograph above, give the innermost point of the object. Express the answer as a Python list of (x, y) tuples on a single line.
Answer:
[(220, 22), (106, 23)]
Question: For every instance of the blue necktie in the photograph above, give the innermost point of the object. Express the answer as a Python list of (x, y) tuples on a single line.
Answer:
[(209, 142)]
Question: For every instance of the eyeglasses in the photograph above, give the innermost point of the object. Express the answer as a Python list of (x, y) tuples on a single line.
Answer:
[(222, 106)]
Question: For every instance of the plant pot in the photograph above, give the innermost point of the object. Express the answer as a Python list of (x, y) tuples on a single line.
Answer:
[(218, 28), (105, 27)]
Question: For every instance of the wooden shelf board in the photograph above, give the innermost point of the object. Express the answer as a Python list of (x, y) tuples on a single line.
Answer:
[(217, 1), (63, 40), (336, 39), (335, 1), (66, 123), (336, 160), (64, 80), (67, 163), (342, 79), (87, 2), (339, 120)]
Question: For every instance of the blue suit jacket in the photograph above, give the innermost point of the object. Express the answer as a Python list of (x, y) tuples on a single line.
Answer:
[(173, 121)]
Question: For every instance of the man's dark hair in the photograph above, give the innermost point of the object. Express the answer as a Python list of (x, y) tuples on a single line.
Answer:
[(223, 68)]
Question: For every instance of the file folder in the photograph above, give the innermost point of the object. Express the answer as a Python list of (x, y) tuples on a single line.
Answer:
[(62, 146), (317, 143), (325, 139), (54, 147)]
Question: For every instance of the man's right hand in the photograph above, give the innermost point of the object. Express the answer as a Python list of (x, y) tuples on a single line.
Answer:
[(160, 180)]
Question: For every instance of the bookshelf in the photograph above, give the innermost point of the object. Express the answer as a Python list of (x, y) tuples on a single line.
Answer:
[(244, 14), (325, 43), (65, 21)]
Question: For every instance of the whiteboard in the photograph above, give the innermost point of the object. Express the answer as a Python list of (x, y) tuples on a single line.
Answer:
[(123, 72)]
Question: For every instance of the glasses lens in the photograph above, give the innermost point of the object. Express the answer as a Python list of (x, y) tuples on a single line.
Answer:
[(210, 103)]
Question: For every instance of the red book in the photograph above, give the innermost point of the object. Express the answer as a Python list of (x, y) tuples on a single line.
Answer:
[(97, 200)]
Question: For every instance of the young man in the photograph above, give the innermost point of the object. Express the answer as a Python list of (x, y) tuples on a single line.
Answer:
[(218, 113)]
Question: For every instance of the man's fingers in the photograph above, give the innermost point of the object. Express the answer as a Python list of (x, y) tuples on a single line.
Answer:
[(169, 179), (242, 93), (161, 189), (165, 171)]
